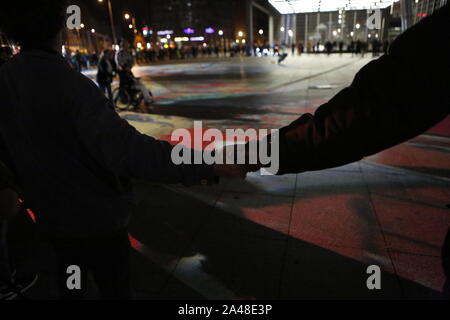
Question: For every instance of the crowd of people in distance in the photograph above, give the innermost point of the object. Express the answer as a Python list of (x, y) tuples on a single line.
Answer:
[(355, 47), (81, 60)]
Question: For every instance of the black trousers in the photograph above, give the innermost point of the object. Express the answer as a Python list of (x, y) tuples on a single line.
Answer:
[(20, 244), (106, 88), (107, 258), (5, 270), (446, 265)]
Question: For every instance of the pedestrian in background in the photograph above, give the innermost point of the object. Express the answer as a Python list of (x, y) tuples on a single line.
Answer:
[(106, 73)]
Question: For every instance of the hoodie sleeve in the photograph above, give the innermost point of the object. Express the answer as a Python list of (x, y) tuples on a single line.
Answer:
[(392, 99), (121, 149)]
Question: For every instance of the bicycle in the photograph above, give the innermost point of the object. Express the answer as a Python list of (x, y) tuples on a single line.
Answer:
[(126, 98)]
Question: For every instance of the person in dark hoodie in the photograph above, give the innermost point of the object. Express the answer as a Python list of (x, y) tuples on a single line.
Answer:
[(391, 100), (105, 72), (73, 156)]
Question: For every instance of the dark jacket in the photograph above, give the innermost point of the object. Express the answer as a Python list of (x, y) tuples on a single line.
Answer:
[(6, 177), (71, 154), (391, 100), (105, 73)]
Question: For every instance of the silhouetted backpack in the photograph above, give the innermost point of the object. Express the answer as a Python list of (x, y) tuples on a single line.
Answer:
[(9, 198)]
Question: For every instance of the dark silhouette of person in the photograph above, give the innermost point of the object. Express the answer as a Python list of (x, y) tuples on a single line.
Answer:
[(78, 61), (73, 156), (341, 46), (105, 72), (390, 100), (385, 46), (328, 47)]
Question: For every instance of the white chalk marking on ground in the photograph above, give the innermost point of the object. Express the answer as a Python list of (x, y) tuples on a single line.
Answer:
[(188, 270)]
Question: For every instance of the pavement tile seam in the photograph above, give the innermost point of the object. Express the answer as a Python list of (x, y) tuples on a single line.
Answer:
[(285, 257), (380, 227), (403, 171)]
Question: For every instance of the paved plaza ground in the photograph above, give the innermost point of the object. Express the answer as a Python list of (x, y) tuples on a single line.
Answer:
[(305, 236)]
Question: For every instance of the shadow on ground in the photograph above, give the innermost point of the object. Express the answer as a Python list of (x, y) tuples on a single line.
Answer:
[(249, 259)]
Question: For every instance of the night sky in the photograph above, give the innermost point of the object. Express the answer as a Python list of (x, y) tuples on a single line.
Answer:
[(95, 14)]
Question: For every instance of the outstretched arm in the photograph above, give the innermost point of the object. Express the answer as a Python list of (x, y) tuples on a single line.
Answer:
[(391, 100)]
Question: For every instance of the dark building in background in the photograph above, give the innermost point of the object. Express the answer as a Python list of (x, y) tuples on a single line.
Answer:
[(194, 18)]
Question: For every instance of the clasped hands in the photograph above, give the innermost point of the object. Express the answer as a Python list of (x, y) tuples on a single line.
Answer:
[(230, 167)]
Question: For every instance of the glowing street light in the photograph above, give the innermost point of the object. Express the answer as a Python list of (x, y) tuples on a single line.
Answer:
[(291, 33), (111, 19), (82, 26), (93, 30), (240, 34), (282, 29), (358, 26), (261, 31), (132, 25), (220, 32), (305, 6)]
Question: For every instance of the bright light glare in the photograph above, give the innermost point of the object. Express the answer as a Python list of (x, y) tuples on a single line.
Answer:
[(300, 6)]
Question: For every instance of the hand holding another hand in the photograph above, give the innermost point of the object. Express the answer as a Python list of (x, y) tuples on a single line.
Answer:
[(228, 167)]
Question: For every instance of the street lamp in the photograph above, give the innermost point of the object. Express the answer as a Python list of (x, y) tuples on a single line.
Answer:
[(133, 22), (111, 20), (282, 29), (240, 34), (261, 31), (220, 32)]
